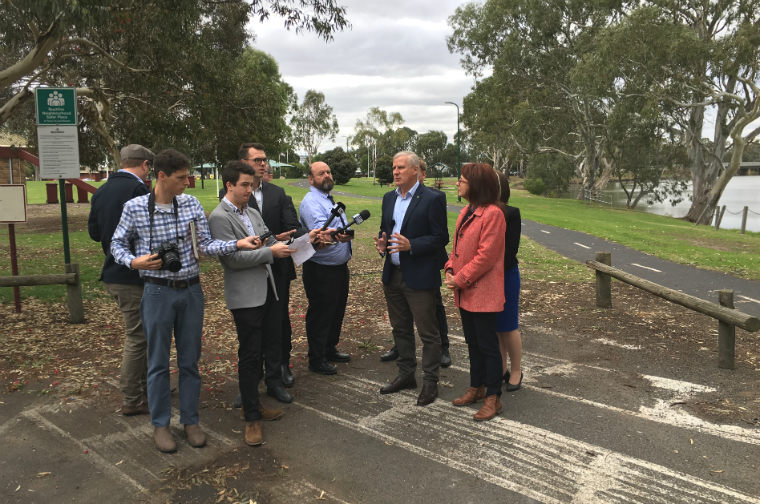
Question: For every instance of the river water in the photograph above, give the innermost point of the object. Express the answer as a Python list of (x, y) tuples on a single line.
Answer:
[(741, 191)]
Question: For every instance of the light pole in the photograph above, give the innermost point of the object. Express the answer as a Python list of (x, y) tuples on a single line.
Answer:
[(459, 162), (347, 138)]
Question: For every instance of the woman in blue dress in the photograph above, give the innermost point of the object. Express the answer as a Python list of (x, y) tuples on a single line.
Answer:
[(510, 342)]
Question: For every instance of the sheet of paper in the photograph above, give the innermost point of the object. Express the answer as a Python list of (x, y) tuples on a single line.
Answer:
[(303, 249)]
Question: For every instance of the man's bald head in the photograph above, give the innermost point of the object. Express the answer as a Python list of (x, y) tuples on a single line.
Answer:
[(320, 176)]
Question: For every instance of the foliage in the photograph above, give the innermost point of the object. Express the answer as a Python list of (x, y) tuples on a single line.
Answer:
[(431, 145), (158, 72), (535, 186), (341, 164), (384, 169), (313, 121)]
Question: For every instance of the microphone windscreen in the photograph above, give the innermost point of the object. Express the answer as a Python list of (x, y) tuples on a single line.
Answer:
[(364, 214)]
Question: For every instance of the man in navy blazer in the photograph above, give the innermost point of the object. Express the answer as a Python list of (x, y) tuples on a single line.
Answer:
[(413, 230)]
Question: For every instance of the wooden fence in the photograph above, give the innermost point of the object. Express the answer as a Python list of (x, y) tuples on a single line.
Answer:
[(728, 318), (73, 288)]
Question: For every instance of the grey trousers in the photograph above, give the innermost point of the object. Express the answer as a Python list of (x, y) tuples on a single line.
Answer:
[(134, 365), (407, 308)]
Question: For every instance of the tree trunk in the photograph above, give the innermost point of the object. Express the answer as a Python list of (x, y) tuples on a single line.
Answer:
[(604, 176)]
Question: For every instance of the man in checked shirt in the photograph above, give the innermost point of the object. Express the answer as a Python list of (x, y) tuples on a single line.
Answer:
[(172, 300)]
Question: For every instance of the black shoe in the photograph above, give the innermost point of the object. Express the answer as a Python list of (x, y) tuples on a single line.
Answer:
[(399, 384), (506, 376), (445, 358), (280, 394), (288, 380), (336, 356), (324, 368), (512, 388), (390, 355), (428, 394), (238, 401)]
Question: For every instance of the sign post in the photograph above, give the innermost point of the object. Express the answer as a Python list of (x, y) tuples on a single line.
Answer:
[(13, 210), (58, 140)]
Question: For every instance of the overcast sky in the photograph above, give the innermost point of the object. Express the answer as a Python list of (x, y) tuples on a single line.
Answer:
[(394, 57)]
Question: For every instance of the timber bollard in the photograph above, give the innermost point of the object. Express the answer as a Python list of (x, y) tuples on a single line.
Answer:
[(603, 282), (744, 219), (726, 333), (719, 217), (74, 296)]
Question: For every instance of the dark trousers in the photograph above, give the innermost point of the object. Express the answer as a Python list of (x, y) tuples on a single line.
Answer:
[(440, 315), (327, 290), (287, 330), (406, 308), (249, 323), (485, 356), (271, 341)]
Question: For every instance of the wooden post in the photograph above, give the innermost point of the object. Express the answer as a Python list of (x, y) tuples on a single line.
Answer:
[(74, 295), (726, 333), (719, 217), (744, 219), (604, 282)]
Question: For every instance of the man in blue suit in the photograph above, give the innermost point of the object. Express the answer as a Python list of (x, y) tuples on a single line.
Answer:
[(413, 230)]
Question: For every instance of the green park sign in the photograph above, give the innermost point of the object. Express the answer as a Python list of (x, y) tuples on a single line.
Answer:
[(56, 106)]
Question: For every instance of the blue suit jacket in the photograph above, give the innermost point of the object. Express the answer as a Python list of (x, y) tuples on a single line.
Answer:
[(425, 226)]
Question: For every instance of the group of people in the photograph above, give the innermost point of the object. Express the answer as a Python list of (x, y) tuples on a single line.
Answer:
[(153, 239)]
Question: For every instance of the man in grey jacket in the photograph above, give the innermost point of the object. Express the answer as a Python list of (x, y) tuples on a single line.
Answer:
[(249, 288)]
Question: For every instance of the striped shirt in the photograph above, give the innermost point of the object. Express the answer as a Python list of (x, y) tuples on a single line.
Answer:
[(243, 216), (135, 225)]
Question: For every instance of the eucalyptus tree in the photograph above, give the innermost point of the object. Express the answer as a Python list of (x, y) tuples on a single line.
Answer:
[(313, 122), (138, 65), (530, 48), (377, 130)]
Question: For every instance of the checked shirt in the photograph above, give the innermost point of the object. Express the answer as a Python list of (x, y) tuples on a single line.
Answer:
[(135, 224)]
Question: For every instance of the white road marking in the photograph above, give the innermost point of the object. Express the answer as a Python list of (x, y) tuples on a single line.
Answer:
[(609, 342), (581, 245), (95, 459), (749, 299), (547, 232), (646, 267), (681, 387), (528, 460)]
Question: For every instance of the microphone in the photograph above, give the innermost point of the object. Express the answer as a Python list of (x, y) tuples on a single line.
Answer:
[(337, 210), (358, 219)]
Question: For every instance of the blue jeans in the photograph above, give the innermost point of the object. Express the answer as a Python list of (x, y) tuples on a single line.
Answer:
[(163, 310)]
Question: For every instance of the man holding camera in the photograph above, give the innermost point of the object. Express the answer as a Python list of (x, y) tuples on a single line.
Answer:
[(325, 275), (168, 229), (122, 283)]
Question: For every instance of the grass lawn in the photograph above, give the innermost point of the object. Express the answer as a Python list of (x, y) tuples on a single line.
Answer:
[(725, 250)]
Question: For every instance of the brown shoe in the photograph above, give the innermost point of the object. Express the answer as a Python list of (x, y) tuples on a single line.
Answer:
[(164, 440), (195, 436), (140, 409), (253, 433), (471, 396), (266, 414), (428, 394), (399, 384), (490, 409)]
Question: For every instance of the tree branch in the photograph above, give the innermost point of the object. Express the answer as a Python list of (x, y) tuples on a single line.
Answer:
[(89, 43)]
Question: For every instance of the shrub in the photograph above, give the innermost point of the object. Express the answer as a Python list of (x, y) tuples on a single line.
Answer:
[(535, 186)]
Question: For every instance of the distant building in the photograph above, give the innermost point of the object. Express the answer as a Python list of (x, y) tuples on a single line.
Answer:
[(12, 170)]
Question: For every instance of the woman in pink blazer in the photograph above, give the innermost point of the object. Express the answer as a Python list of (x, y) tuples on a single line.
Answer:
[(475, 271)]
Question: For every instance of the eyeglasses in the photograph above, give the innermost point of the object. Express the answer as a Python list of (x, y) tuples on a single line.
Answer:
[(258, 160), (461, 180)]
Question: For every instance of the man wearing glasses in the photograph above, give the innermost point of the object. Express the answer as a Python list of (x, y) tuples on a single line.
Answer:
[(121, 282), (278, 214)]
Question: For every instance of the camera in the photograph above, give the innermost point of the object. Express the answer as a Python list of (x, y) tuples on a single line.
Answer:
[(169, 254)]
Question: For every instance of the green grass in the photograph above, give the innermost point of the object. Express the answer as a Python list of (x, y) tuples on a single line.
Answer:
[(725, 250)]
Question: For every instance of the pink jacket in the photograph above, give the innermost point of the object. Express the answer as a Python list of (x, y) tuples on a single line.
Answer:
[(477, 260)]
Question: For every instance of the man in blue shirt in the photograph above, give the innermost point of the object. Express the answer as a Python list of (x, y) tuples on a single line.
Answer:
[(325, 275), (173, 298), (413, 231), (124, 284)]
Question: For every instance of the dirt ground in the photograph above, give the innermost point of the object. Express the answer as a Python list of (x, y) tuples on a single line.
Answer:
[(41, 353)]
